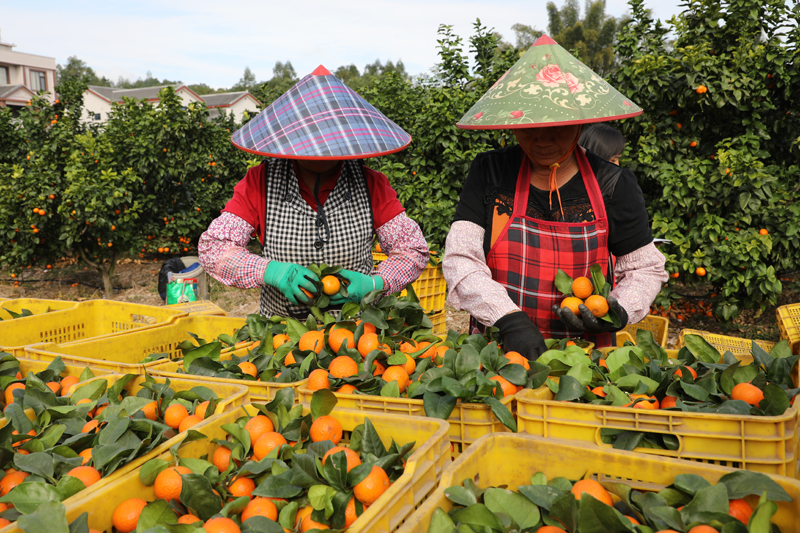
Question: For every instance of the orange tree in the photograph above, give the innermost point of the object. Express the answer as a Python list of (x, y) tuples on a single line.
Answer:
[(716, 149)]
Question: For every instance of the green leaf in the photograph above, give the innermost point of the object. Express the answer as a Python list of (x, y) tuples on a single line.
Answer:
[(461, 496), (156, 512), (438, 405), (478, 515), (631, 381), (690, 483), (51, 517), (598, 278), (563, 282), (701, 349), (569, 389), (391, 390), (441, 522), (595, 516), (92, 390), (26, 497), (521, 510), (501, 412), (322, 403), (775, 401), (211, 350), (743, 483), (706, 503), (320, 496), (38, 463), (197, 493), (762, 516), (542, 495)]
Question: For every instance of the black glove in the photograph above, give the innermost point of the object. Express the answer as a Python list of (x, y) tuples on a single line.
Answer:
[(588, 322), (521, 335)]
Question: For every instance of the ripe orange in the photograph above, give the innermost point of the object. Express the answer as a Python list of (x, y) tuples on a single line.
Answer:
[(53, 386), (248, 368), (353, 460), (517, 359), (201, 409), (593, 488), (396, 373), (598, 391), (367, 343), (508, 388), (408, 347), (582, 287), (174, 415), (669, 401), (89, 475), (350, 515), (410, 365), (572, 303), (90, 426), (168, 483), (266, 443), (221, 525), (597, 305), (692, 371), (645, 404), (701, 89), (326, 428), (302, 513), (346, 389), (86, 455), (379, 368), (260, 507), (318, 379), (368, 328), (703, 529), (693, 144), (308, 524), (550, 529), (257, 426), (312, 340), (188, 519), (740, 510), (126, 515), (10, 481), (337, 338), (221, 458), (9, 396), (151, 411), (762, 231), (279, 340), (241, 486), (188, 422), (343, 367), (748, 393), (632, 520), (700, 271), (330, 285), (372, 486)]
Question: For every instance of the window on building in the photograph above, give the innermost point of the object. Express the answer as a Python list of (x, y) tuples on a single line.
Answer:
[(3, 75), (38, 81), (97, 116)]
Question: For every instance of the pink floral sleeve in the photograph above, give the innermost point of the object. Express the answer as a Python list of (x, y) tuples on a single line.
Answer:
[(406, 249), (223, 253), (639, 276)]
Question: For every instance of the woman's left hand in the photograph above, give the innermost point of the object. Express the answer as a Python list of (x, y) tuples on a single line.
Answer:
[(588, 322), (360, 286)]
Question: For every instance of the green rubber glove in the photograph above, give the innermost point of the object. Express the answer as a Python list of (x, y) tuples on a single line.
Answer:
[(290, 279), (360, 286)]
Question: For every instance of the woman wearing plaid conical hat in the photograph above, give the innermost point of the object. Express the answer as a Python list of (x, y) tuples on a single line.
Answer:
[(314, 201), (546, 204)]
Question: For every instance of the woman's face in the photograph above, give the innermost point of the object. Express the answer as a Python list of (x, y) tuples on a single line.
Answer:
[(614, 159), (546, 145)]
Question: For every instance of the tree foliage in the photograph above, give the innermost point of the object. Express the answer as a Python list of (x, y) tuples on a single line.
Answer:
[(77, 69)]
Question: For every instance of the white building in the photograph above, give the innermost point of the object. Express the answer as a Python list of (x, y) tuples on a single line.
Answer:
[(23, 75), (235, 104)]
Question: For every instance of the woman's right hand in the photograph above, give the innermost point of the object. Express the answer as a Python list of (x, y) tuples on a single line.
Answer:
[(291, 279), (521, 335)]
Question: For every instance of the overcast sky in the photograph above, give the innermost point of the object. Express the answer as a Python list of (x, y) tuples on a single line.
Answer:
[(205, 41)]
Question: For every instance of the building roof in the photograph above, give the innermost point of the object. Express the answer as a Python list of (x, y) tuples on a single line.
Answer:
[(8, 90), (105, 92), (223, 99)]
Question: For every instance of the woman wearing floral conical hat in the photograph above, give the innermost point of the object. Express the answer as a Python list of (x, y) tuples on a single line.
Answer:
[(546, 204), (314, 201)]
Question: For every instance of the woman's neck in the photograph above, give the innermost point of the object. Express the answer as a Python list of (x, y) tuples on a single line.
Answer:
[(540, 175), (309, 176)]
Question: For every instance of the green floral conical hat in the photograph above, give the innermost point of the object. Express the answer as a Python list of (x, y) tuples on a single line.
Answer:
[(548, 87)]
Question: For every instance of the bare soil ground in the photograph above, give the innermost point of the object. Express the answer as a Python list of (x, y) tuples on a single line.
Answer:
[(136, 280)]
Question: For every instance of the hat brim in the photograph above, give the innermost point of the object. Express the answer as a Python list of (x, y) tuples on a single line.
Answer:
[(548, 124), (300, 157)]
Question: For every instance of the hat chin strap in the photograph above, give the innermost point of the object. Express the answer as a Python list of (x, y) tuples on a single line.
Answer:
[(554, 167)]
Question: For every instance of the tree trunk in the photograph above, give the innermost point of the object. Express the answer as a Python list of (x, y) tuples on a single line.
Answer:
[(106, 270)]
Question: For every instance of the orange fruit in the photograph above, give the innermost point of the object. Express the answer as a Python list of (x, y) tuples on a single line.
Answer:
[(396, 373), (346, 389), (372, 486), (593, 488), (90, 426), (508, 388), (643, 405), (201, 409), (257, 426), (126, 515), (691, 371), (353, 460), (517, 359), (368, 328), (89, 475), (700, 271), (174, 415), (572, 303), (10, 389), (53, 386), (326, 428), (330, 285), (703, 529), (188, 422), (260, 507), (312, 340), (67, 384), (748, 393), (318, 379), (410, 365), (151, 411), (632, 520), (669, 401), (242, 486), (337, 338), (23, 441), (598, 391), (221, 525), (379, 368), (302, 513), (10, 481), (168, 483), (308, 524), (266, 443), (248, 368), (343, 367), (4, 522), (350, 515), (407, 347), (188, 519), (762, 231), (86, 455), (550, 529), (367, 343), (221, 458), (582, 287), (279, 340), (597, 305), (289, 359), (740, 510)]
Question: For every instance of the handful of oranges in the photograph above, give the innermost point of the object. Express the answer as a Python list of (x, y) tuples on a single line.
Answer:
[(592, 293), (330, 284)]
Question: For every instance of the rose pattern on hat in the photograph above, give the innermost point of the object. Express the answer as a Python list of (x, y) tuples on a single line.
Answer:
[(552, 76)]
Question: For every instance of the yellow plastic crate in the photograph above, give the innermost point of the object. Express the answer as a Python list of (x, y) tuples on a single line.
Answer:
[(123, 353), (723, 343), (30, 365), (762, 443), (439, 321), (430, 287), (95, 319), (34, 305), (657, 325), (260, 391), (200, 307), (789, 324), (511, 460), (422, 472), (468, 421)]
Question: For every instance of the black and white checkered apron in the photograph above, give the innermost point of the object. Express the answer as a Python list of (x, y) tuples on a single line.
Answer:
[(339, 233)]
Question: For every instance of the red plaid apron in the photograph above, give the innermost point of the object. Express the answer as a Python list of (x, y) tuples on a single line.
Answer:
[(529, 252)]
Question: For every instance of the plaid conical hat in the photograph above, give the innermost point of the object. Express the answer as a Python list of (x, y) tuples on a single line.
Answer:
[(321, 118), (548, 87)]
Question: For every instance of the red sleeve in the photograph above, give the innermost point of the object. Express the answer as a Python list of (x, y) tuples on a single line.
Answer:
[(385, 205), (248, 199)]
